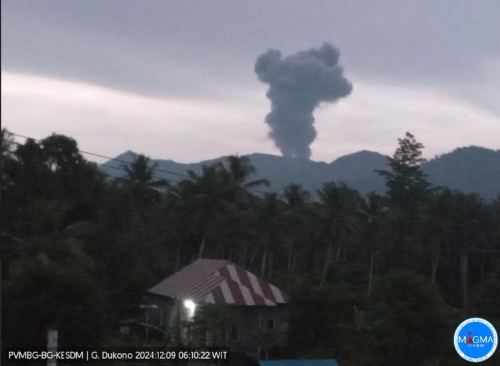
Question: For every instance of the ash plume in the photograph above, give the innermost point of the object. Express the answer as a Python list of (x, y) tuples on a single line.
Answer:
[(297, 85)]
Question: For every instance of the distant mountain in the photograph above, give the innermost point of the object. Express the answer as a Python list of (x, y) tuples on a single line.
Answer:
[(468, 169)]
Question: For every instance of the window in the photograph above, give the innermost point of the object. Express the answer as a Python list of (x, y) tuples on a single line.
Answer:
[(270, 323), (266, 321)]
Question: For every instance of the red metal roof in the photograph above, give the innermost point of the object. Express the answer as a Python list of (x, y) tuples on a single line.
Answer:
[(220, 282)]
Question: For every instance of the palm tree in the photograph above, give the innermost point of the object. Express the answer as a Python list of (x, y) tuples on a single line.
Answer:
[(374, 211), (240, 169), (339, 208), (143, 188), (273, 228), (47, 241), (50, 266), (296, 199), (214, 197), (438, 225), (468, 233), (141, 174), (206, 200), (240, 234)]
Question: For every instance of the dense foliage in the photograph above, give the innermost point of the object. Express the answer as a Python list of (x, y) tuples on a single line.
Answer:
[(374, 280)]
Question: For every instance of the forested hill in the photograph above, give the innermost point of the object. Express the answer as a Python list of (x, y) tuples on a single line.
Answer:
[(468, 169), (78, 249)]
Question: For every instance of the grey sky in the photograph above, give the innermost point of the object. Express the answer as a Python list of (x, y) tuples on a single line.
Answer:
[(444, 55)]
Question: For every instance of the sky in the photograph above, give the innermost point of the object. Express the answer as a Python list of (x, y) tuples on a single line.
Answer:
[(176, 80)]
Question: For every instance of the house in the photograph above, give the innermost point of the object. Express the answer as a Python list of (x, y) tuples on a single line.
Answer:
[(261, 306)]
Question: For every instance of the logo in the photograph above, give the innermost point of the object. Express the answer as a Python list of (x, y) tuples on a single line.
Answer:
[(475, 340)]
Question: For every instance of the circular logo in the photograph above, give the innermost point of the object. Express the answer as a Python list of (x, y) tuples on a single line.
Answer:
[(475, 340)]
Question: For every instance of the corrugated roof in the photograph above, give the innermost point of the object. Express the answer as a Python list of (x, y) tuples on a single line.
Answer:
[(330, 362), (219, 281)]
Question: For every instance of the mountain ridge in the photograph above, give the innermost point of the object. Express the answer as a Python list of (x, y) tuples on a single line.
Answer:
[(471, 169)]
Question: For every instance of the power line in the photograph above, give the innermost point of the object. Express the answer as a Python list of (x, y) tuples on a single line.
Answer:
[(347, 246), (116, 168), (123, 170), (124, 162), (153, 168), (107, 157)]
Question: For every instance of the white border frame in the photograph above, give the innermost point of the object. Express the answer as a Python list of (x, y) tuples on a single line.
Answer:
[(493, 331)]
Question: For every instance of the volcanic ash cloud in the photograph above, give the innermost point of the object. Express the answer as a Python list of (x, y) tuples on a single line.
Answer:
[(297, 85)]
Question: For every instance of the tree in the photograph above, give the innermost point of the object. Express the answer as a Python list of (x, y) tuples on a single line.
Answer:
[(240, 226), (72, 178), (374, 211), (206, 200), (240, 169), (140, 176), (322, 321), (409, 323), (296, 200), (467, 235), (486, 297), (65, 160), (50, 267), (408, 192), (53, 295), (272, 226), (31, 172), (6, 142), (75, 245), (406, 183), (143, 193), (438, 226), (339, 209)]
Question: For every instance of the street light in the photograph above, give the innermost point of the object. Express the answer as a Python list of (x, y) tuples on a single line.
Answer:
[(191, 307)]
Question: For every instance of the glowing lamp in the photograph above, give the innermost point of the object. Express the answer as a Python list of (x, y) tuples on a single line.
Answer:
[(191, 307)]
